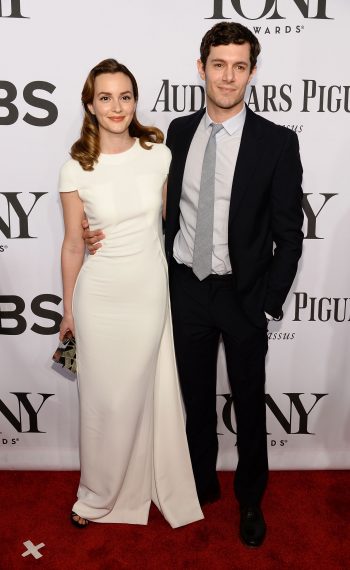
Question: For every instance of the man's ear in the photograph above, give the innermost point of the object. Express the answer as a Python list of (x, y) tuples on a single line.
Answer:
[(201, 69)]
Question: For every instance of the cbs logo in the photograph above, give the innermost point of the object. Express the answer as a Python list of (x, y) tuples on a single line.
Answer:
[(9, 101)]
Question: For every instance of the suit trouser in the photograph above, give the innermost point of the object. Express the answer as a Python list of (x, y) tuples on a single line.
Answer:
[(202, 312)]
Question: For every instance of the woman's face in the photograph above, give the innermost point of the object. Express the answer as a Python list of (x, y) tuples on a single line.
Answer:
[(113, 103)]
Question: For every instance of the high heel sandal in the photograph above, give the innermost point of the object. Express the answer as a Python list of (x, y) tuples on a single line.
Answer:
[(76, 523)]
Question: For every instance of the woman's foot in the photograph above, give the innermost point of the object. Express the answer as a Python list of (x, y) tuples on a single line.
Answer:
[(78, 521)]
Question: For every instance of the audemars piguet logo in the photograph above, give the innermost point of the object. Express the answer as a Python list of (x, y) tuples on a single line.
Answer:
[(308, 96), (316, 97), (322, 309), (179, 98), (11, 9)]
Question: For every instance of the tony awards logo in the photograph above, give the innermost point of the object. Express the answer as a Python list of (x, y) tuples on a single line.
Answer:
[(25, 419), (11, 9), (271, 9), (292, 414)]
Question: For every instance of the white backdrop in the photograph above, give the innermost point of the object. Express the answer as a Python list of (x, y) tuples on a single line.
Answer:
[(302, 82)]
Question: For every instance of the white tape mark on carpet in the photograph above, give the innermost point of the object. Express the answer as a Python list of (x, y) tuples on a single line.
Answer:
[(31, 549)]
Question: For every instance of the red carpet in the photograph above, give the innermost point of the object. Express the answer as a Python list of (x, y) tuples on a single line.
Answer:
[(307, 512)]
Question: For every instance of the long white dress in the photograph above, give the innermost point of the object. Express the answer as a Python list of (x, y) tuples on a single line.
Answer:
[(133, 447)]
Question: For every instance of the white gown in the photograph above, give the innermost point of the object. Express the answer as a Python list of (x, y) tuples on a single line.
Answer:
[(133, 447)]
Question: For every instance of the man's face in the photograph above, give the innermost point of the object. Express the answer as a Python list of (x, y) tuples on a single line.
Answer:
[(226, 75)]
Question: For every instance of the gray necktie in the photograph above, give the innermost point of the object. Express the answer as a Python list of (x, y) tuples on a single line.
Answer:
[(203, 241)]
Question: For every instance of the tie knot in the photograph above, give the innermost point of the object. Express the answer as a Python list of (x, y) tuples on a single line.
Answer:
[(216, 127)]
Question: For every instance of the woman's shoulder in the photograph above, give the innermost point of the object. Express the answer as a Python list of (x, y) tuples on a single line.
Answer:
[(156, 157), (69, 175), (71, 166), (162, 151)]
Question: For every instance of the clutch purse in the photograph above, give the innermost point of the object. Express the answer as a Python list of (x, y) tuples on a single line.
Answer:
[(65, 354)]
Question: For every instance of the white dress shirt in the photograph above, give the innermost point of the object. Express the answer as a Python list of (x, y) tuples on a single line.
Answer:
[(227, 147)]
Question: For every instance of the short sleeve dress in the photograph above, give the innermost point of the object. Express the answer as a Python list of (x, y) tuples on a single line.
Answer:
[(133, 447)]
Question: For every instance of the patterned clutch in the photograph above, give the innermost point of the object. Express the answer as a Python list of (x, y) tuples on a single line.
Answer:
[(65, 353)]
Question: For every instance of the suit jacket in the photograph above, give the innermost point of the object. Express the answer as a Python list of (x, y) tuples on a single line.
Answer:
[(265, 217)]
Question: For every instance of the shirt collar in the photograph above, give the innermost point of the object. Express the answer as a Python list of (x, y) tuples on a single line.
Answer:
[(232, 125)]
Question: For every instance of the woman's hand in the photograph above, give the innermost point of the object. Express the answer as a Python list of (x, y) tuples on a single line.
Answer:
[(67, 324)]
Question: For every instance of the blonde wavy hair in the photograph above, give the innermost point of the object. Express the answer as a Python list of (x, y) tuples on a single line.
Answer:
[(86, 149)]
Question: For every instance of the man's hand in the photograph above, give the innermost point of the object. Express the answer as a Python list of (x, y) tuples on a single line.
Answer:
[(92, 238)]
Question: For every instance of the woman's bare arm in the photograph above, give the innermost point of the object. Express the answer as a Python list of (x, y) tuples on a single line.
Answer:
[(72, 253)]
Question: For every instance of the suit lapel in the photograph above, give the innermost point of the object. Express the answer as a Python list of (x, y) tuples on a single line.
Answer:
[(247, 158)]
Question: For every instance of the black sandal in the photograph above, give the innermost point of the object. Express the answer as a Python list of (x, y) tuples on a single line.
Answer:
[(77, 523)]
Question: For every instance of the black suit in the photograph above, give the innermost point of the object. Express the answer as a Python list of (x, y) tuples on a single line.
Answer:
[(265, 243)]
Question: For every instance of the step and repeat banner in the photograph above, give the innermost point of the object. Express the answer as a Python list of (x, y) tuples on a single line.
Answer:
[(302, 82)]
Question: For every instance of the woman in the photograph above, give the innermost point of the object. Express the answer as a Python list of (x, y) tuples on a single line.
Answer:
[(133, 447)]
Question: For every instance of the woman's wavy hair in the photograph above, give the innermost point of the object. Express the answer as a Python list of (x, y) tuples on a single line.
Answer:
[(86, 149)]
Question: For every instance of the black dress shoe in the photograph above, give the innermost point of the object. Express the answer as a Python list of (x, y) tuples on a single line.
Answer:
[(252, 526)]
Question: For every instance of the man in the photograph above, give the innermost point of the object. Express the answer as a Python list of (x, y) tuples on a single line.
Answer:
[(257, 205), (233, 239)]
